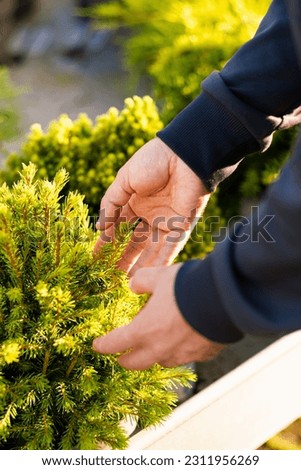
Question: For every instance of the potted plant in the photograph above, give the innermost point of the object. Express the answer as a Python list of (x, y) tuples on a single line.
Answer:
[(55, 298)]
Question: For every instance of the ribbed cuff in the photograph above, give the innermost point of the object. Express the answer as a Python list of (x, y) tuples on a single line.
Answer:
[(209, 139), (200, 303)]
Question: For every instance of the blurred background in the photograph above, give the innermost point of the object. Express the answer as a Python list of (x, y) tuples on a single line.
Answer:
[(58, 63)]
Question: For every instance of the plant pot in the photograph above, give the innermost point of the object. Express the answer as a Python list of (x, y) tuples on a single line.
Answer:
[(240, 410)]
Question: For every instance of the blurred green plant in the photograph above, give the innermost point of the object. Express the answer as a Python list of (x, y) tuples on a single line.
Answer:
[(180, 43), (264, 169), (9, 118), (92, 153)]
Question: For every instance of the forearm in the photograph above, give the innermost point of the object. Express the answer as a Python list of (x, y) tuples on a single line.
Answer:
[(257, 92), (251, 282)]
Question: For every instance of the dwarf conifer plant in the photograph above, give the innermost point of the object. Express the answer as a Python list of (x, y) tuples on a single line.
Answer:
[(55, 298), (92, 153)]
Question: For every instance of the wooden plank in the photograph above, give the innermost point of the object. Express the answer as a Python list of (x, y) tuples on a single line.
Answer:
[(239, 411)]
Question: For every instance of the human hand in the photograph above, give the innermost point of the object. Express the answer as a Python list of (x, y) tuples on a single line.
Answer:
[(156, 187), (159, 333)]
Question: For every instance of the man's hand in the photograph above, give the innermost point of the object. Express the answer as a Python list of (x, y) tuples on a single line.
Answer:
[(156, 187), (159, 333)]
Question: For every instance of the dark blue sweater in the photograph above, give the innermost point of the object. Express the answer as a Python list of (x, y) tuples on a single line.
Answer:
[(251, 283)]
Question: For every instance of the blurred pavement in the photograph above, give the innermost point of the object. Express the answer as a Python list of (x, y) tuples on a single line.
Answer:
[(55, 81)]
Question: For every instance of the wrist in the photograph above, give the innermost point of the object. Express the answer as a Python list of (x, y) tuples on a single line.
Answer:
[(176, 161), (209, 138)]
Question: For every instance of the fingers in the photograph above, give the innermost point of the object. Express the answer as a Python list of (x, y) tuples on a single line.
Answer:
[(104, 238), (158, 334), (126, 215), (174, 243), (147, 247), (143, 248), (124, 340), (116, 341), (134, 248), (137, 360), (116, 197), (160, 249), (144, 281)]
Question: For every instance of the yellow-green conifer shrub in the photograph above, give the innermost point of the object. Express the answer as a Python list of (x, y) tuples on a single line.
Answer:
[(55, 298), (91, 152)]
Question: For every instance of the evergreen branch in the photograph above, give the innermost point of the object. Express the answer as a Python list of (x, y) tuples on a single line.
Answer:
[(46, 361), (71, 366), (47, 222), (58, 248), (24, 215), (39, 261), (7, 247), (13, 261), (9, 415)]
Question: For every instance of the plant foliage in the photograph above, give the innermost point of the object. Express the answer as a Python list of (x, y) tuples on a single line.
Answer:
[(8, 114), (265, 169), (55, 298), (180, 43), (92, 153)]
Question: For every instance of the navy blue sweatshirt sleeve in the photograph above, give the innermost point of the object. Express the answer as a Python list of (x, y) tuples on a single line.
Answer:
[(251, 282), (257, 92)]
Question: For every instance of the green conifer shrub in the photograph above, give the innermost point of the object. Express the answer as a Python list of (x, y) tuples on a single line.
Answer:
[(92, 153), (55, 298)]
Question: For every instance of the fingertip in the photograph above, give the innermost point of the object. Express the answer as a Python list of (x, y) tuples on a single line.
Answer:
[(123, 266), (132, 282), (115, 341), (101, 346), (101, 222), (134, 361), (143, 280), (97, 247), (104, 237), (96, 345), (136, 281)]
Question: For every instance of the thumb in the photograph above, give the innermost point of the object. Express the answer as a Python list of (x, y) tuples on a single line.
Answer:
[(145, 279), (117, 341)]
